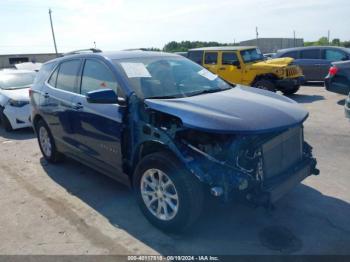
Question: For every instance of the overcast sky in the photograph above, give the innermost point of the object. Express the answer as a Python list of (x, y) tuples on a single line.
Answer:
[(120, 24)]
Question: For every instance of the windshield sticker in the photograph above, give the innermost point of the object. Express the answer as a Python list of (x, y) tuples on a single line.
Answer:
[(207, 74), (135, 70)]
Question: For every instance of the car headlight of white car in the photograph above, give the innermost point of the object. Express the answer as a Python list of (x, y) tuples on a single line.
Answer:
[(17, 103)]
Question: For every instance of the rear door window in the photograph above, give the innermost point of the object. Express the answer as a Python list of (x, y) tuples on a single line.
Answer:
[(97, 76), (68, 75), (53, 78), (310, 54), (211, 58), (334, 55)]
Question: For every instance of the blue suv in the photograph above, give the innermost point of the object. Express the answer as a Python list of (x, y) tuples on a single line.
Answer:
[(171, 129)]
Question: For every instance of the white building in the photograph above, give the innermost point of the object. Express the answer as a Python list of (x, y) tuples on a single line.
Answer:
[(7, 61)]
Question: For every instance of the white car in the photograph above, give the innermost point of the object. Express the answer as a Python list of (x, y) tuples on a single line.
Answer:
[(14, 98)]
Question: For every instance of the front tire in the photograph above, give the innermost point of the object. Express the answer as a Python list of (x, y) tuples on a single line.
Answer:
[(265, 84), (169, 196), (46, 143), (291, 91), (5, 122)]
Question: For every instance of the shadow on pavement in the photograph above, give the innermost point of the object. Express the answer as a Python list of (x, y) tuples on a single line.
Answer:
[(314, 83), (341, 102), (304, 221), (18, 134), (306, 98)]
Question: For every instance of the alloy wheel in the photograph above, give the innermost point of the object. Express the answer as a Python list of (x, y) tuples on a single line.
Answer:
[(45, 141), (159, 194)]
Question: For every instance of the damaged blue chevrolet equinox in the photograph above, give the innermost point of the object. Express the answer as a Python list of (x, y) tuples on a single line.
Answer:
[(171, 129)]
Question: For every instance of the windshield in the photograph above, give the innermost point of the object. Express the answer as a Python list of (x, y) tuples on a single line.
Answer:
[(252, 55), (16, 80), (169, 77)]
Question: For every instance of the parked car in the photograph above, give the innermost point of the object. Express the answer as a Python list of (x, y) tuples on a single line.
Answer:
[(338, 78), (14, 98), (315, 61), (248, 66), (171, 129), (347, 107), (338, 81), (29, 66), (269, 55)]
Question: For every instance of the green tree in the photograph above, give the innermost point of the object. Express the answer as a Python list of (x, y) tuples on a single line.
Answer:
[(322, 41), (346, 44), (336, 42), (183, 46)]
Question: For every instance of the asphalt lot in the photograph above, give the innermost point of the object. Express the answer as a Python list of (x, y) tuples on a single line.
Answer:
[(70, 209)]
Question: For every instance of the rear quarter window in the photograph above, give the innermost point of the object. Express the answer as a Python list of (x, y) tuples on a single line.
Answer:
[(43, 74), (335, 55), (196, 56)]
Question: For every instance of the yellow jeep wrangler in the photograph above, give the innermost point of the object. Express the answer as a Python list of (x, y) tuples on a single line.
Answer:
[(247, 66)]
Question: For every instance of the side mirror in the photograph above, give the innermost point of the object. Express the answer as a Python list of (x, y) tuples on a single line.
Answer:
[(102, 96)]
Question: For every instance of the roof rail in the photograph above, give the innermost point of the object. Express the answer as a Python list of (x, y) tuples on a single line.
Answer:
[(135, 49), (91, 50)]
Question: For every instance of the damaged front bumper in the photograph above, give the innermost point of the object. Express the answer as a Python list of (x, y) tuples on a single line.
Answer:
[(232, 179), (276, 188)]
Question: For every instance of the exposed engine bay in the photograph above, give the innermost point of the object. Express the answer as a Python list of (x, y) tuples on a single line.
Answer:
[(232, 164)]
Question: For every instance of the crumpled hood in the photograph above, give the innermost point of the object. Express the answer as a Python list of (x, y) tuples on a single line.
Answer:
[(241, 110), (276, 62), (15, 94)]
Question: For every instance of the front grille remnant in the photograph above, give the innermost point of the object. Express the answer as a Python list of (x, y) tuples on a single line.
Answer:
[(282, 152)]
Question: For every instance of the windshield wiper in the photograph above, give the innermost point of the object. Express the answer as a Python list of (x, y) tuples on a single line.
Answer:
[(162, 97), (207, 91)]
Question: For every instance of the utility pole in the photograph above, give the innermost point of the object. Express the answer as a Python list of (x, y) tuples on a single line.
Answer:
[(95, 44), (294, 38), (257, 35), (329, 33), (53, 33)]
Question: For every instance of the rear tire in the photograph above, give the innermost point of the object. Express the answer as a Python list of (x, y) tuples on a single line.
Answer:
[(291, 91), (265, 84), (47, 143), (184, 206), (5, 122)]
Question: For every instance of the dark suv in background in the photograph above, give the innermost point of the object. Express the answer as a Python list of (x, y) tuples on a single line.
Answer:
[(315, 61), (171, 129)]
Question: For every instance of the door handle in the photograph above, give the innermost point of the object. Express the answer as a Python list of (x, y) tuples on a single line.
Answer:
[(46, 95), (78, 106), (222, 68)]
